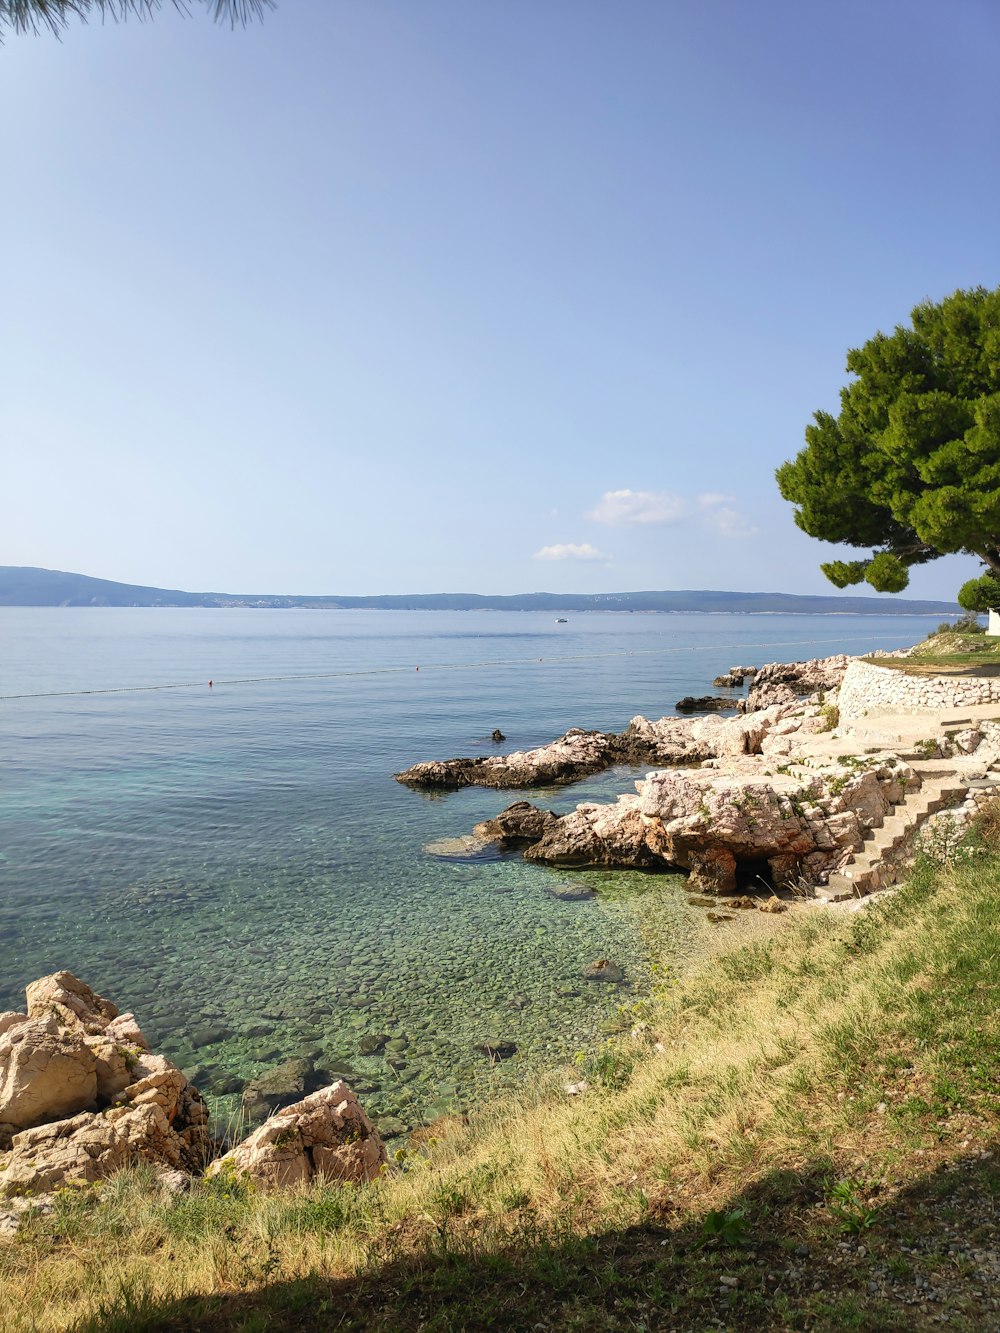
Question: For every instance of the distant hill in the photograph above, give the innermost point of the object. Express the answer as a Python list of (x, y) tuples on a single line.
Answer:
[(25, 586)]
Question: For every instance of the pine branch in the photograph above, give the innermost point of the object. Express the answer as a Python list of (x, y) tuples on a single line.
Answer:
[(36, 15)]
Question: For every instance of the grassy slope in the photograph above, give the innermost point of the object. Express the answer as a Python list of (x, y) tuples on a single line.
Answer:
[(949, 651), (791, 1139)]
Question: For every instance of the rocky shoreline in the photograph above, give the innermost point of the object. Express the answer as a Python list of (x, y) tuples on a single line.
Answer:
[(774, 795), (724, 803), (669, 741), (778, 795)]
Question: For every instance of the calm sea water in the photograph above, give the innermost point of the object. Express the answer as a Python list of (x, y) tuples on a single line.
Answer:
[(237, 865)]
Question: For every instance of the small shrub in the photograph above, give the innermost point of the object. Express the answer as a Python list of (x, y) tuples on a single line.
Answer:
[(969, 623), (830, 716)]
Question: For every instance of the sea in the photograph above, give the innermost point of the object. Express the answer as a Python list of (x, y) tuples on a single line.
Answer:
[(198, 818)]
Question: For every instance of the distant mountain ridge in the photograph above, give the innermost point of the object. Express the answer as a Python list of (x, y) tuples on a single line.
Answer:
[(26, 586)]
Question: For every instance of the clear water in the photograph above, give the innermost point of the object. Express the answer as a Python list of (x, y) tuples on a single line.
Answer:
[(237, 866)]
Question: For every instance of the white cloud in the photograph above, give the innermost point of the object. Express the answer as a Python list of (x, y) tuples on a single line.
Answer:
[(729, 523), (569, 551), (637, 507), (710, 498)]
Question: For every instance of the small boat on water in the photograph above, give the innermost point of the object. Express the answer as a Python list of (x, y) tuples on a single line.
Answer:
[(562, 621)]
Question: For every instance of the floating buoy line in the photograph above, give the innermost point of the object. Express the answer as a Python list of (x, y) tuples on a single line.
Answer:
[(433, 666)]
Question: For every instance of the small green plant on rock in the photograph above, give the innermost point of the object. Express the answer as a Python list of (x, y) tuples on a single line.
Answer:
[(830, 716)]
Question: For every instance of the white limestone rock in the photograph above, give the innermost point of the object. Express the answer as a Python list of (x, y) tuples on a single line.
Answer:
[(326, 1134)]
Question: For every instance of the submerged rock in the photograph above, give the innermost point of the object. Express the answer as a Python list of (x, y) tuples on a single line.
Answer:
[(602, 969), (572, 893), (497, 1048), (279, 1087), (372, 1042), (465, 847)]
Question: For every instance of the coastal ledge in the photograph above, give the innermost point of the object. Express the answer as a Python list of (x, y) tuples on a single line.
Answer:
[(787, 792)]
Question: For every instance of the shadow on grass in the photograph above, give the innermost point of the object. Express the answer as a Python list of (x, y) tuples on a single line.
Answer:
[(802, 1249)]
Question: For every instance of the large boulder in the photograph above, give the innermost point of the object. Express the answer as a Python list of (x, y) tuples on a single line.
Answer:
[(81, 1094), (599, 835), (114, 1039), (88, 1147), (71, 1001), (46, 1073), (326, 1134)]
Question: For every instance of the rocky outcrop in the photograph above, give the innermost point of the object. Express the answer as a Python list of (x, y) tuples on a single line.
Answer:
[(735, 677), (711, 823), (785, 682), (705, 703), (578, 754), (519, 825), (674, 741), (81, 1094), (575, 755), (326, 1134)]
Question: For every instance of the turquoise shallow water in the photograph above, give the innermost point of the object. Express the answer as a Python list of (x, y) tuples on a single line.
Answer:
[(237, 865)]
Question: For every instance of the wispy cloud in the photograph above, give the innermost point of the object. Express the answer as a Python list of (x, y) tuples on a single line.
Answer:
[(710, 498), (619, 507), (728, 523), (569, 551)]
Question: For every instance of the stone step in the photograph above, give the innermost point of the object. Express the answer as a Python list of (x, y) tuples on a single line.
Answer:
[(867, 870)]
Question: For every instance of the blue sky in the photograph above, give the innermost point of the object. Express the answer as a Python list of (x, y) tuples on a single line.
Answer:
[(467, 294)]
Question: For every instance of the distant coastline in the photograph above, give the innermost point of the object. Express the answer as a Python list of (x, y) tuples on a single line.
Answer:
[(27, 586)]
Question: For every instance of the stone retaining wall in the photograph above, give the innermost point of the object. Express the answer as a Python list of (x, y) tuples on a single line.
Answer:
[(871, 690)]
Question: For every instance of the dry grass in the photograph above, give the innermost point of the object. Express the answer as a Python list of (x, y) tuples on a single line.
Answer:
[(839, 1038)]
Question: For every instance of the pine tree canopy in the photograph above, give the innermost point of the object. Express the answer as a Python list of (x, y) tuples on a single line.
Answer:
[(910, 467)]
